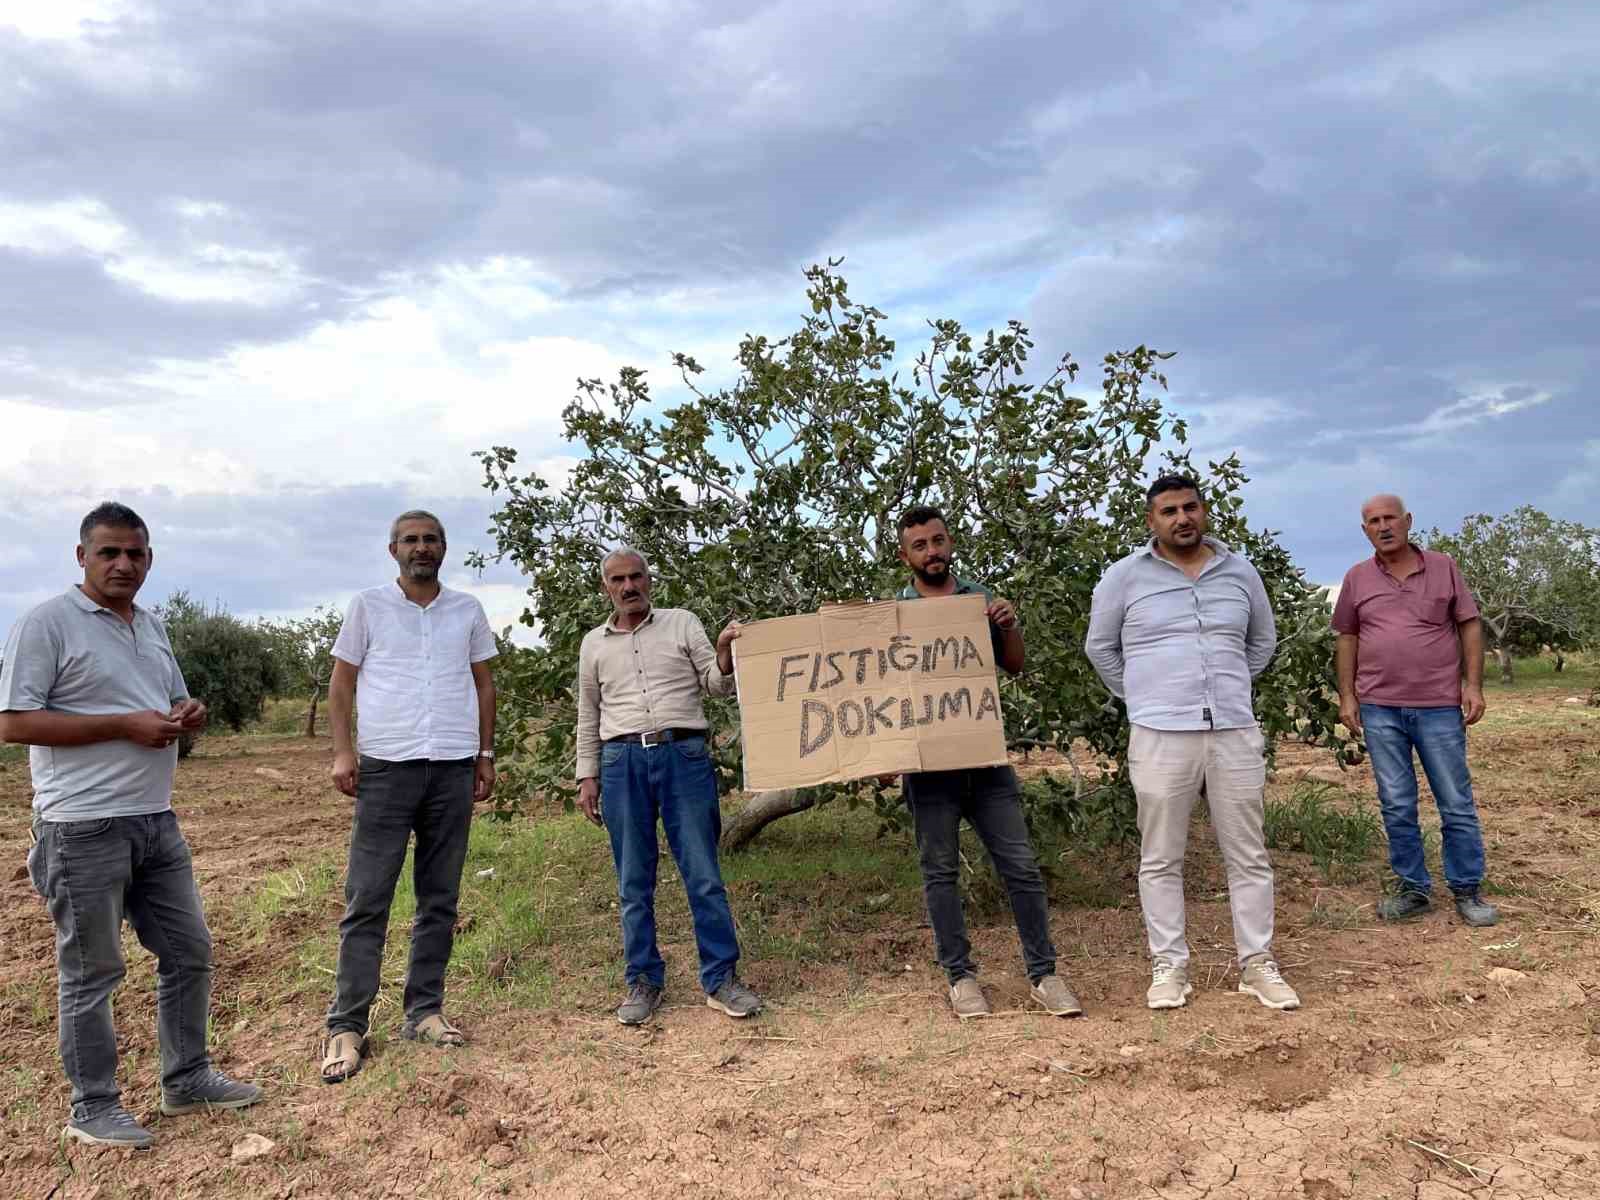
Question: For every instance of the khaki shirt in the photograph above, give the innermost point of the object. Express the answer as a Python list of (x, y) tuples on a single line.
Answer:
[(640, 680)]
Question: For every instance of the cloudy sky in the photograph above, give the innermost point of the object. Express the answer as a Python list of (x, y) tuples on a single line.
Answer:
[(270, 272)]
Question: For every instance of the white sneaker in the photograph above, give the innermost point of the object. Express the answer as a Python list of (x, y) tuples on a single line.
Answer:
[(1262, 979), (1169, 985)]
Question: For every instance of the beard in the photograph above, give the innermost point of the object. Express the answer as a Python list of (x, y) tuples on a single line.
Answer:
[(422, 570), (932, 573)]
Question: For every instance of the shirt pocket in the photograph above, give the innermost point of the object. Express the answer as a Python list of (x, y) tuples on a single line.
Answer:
[(1434, 610)]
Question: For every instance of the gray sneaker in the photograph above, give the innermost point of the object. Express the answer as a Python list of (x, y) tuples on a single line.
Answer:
[(641, 1004), (1474, 911), (113, 1127), (1404, 907), (1262, 979), (1169, 985), (734, 999), (966, 999), (1052, 992), (211, 1089)]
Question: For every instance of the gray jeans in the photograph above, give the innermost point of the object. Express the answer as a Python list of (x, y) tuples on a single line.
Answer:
[(93, 874), (393, 800)]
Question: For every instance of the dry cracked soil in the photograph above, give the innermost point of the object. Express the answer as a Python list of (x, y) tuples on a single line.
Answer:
[(1418, 1067)]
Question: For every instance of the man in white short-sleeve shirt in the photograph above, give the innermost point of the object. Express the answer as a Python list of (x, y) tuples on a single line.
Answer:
[(417, 654)]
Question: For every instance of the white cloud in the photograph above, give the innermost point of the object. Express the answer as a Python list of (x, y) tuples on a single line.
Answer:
[(54, 19)]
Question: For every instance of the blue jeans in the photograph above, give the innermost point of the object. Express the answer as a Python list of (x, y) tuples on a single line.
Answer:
[(93, 874), (1440, 740), (989, 799), (393, 799), (675, 783)]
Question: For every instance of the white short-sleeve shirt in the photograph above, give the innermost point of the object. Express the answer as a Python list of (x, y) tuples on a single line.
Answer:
[(414, 692)]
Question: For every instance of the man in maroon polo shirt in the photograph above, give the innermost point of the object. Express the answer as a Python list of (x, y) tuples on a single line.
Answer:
[(1408, 630)]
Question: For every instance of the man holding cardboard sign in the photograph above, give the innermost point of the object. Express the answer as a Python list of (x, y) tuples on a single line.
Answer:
[(988, 797), (643, 753)]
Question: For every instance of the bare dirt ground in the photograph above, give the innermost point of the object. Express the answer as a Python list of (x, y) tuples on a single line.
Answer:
[(1409, 1072)]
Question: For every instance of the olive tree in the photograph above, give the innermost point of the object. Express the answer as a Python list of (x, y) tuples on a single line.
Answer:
[(304, 646), (780, 492), (228, 664), (1536, 580)]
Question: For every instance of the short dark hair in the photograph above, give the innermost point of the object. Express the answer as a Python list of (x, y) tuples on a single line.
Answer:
[(1172, 483), (921, 514), (117, 516), (416, 514)]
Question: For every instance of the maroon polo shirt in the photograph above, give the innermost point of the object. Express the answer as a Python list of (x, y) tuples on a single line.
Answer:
[(1410, 652)]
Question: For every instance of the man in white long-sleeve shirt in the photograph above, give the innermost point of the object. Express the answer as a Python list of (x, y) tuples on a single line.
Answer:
[(1178, 630), (643, 754)]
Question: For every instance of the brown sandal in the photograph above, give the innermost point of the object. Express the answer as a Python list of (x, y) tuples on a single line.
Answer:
[(344, 1055), (434, 1029)]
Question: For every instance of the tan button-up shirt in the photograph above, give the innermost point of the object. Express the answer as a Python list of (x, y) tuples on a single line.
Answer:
[(644, 679)]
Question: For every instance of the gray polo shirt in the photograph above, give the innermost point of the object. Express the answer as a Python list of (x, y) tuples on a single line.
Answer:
[(1182, 651), (70, 655)]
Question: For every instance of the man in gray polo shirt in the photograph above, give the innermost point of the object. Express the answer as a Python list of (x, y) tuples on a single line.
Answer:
[(1178, 630), (90, 683)]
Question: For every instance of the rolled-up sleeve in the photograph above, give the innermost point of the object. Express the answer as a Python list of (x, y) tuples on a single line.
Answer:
[(1103, 644), (704, 656), (1261, 635), (588, 732)]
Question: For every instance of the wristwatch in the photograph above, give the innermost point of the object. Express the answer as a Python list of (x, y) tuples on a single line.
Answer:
[(489, 754)]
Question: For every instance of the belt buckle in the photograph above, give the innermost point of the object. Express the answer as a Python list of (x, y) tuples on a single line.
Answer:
[(644, 739)]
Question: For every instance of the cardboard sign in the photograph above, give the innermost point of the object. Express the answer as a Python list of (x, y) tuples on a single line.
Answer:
[(868, 689)]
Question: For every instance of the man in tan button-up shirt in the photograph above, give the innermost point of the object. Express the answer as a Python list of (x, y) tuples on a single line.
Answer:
[(642, 753)]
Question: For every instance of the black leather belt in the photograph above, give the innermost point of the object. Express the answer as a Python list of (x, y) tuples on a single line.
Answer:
[(656, 735)]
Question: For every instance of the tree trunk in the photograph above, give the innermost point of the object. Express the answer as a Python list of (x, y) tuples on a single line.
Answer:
[(1561, 661), (311, 715), (1504, 655), (761, 810)]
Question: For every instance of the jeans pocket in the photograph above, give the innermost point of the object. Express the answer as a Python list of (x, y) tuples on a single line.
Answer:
[(82, 831), (36, 859), (693, 749), (611, 753)]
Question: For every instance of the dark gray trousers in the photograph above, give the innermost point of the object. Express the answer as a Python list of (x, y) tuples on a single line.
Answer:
[(93, 874), (989, 799), (432, 799)]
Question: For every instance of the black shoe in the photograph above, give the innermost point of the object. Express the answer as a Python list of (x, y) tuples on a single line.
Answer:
[(641, 1004), (1403, 907), (1474, 911)]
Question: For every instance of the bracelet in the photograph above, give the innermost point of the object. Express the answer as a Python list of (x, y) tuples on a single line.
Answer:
[(489, 754)]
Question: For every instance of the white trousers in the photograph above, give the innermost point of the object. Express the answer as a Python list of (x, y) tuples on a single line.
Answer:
[(1167, 768)]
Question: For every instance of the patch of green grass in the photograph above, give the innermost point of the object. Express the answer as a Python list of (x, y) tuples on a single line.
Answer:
[(11, 756), (1580, 673), (1339, 832)]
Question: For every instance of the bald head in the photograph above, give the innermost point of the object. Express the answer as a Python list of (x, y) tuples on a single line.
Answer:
[(1384, 500), (1387, 524)]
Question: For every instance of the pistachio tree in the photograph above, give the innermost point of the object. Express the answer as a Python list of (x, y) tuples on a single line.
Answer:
[(1536, 580), (779, 492)]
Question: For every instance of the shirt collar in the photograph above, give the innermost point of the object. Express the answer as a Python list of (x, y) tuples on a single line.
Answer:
[(611, 623), (394, 585), (1422, 560), (1217, 548), (963, 587), (81, 599)]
